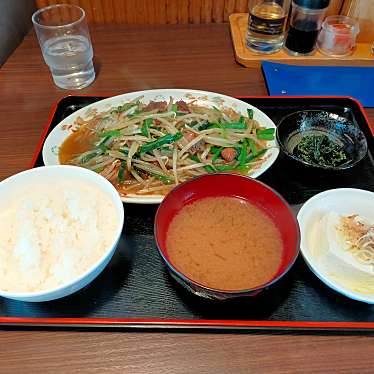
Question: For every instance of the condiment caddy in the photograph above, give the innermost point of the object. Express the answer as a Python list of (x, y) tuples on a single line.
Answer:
[(361, 55)]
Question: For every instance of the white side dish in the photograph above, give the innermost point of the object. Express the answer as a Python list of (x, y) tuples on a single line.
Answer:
[(326, 249)]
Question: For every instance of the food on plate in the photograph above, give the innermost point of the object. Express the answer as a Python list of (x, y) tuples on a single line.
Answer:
[(148, 148), (358, 235), (224, 243), (343, 245), (320, 150), (51, 234)]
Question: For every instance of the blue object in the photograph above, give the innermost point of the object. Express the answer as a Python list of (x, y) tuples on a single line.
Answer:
[(291, 80)]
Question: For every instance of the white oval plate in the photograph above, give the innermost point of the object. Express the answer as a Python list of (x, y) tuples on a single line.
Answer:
[(63, 130), (343, 201)]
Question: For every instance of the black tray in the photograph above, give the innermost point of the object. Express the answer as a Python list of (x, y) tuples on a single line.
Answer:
[(135, 289)]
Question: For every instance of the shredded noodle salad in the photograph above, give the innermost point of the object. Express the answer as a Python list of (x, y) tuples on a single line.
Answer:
[(150, 148)]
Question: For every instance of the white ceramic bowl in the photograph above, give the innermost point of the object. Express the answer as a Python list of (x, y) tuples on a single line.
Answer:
[(210, 99), (335, 269), (9, 187)]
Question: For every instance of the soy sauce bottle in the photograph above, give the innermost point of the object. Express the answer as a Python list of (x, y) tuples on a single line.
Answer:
[(305, 24)]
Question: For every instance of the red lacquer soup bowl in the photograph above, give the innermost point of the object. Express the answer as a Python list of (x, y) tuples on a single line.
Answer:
[(228, 185)]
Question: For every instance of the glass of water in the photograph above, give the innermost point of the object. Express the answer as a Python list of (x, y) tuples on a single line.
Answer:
[(66, 45)]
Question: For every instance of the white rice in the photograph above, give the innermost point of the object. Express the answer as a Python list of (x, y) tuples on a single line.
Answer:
[(50, 234)]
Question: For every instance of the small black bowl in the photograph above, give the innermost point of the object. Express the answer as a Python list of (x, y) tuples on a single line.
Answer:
[(293, 127)]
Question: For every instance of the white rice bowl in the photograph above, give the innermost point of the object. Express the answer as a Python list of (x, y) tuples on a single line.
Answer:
[(59, 228)]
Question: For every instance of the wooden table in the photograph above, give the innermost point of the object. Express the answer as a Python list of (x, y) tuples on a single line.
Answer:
[(128, 59)]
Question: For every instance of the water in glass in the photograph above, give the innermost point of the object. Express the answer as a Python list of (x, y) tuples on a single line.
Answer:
[(70, 61)]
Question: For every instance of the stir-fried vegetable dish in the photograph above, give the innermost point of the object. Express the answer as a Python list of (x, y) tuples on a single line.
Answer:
[(148, 148)]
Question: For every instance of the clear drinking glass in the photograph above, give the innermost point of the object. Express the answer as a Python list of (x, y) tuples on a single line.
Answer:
[(267, 25), (65, 42)]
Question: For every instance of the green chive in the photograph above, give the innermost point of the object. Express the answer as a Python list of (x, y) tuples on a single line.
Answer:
[(204, 126), (252, 146), (103, 148), (110, 133), (121, 172), (145, 128), (229, 125), (88, 157), (194, 158), (103, 141), (210, 169), (216, 153), (214, 126), (236, 125), (243, 154), (265, 134), (162, 178), (124, 151), (167, 139), (123, 108), (225, 167), (259, 154)]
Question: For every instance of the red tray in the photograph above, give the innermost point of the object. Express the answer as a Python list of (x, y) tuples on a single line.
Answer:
[(135, 290)]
